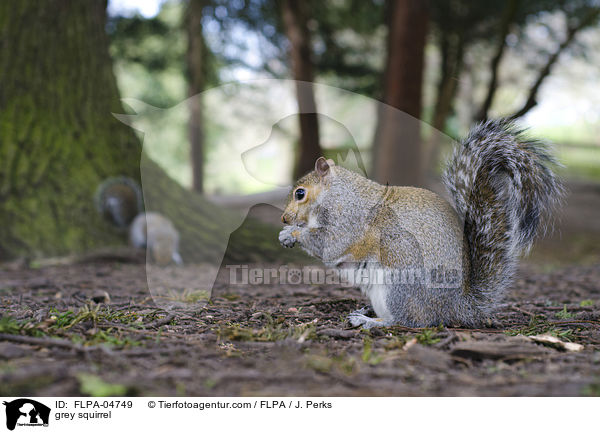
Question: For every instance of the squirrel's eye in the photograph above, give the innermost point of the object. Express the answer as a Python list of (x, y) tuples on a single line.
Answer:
[(300, 194)]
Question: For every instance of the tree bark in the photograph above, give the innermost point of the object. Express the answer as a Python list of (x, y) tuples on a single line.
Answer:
[(397, 145), (295, 20), (452, 50), (60, 140), (195, 70)]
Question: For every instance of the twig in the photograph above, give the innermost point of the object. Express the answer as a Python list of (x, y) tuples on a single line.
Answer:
[(569, 322), (158, 351), (160, 322), (576, 308), (126, 328), (446, 341), (44, 342), (529, 313)]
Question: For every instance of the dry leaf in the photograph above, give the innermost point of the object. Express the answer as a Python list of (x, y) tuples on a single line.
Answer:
[(410, 343), (552, 341)]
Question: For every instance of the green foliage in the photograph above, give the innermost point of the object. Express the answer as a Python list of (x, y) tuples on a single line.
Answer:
[(345, 364), (259, 21), (367, 349), (322, 364), (146, 41), (108, 337), (153, 51), (62, 324), (428, 337), (368, 355), (63, 320), (274, 330), (580, 161), (8, 325), (591, 390), (188, 296), (540, 325), (564, 314), (349, 39), (94, 386)]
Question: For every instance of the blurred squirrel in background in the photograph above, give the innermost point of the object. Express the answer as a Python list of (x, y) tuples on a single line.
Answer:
[(157, 234), (501, 188), (119, 201)]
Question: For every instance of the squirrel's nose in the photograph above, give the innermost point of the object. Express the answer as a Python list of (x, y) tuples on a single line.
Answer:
[(283, 219)]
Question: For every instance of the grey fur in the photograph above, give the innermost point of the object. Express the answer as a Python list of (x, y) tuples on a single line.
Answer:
[(502, 189), (119, 200), (157, 234), (498, 156)]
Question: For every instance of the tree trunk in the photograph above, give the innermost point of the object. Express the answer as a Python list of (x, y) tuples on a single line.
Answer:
[(507, 18), (60, 140), (397, 144), (195, 70), (208, 232), (452, 63), (295, 20), (448, 84)]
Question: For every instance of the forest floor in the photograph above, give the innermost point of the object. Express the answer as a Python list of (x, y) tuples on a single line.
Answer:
[(93, 329)]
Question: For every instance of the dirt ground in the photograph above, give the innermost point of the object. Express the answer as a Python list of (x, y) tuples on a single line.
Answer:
[(94, 329)]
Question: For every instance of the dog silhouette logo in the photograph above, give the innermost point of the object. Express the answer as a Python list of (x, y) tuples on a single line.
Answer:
[(26, 412)]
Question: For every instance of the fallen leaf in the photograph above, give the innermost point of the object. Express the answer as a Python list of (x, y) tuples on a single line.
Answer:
[(552, 341), (409, 344)]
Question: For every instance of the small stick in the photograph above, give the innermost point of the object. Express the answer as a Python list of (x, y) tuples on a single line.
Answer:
[(160, 322), (45, 342), (529, 313), (447, 341), (568, 322)]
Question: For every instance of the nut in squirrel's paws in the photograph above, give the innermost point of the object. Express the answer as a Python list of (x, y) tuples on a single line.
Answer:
[(286, 239)]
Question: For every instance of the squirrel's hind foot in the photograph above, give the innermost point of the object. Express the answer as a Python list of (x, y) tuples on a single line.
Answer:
[(366, 311), (356, 318)]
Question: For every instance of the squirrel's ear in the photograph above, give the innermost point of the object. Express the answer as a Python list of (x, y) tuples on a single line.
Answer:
[(322, 167)]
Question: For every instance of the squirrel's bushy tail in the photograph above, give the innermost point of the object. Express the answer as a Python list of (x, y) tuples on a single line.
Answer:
[(502, 185)]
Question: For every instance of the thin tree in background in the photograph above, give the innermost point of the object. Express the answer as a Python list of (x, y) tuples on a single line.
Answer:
[(397, 147), (457, 26), (195, 75), (295, 19), (508, 17), (587, 18)]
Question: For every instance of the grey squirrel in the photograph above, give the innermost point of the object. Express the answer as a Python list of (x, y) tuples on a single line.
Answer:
[(157, 234), (119, 200), (502, 191)]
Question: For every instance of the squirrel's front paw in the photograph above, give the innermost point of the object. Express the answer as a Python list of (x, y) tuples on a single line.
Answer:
[(286, 237)]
